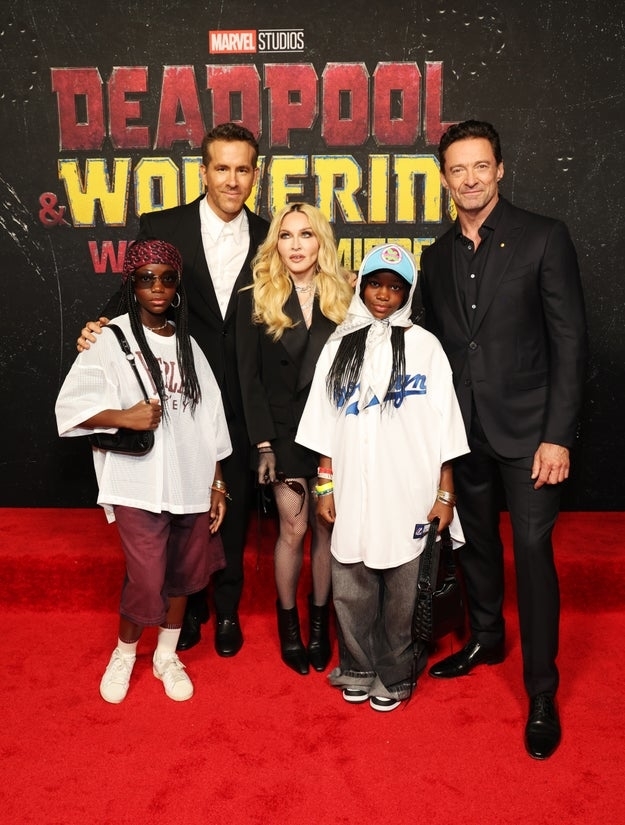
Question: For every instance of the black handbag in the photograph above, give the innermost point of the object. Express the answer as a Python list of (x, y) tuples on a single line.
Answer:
[(440, 603), (130, 442)]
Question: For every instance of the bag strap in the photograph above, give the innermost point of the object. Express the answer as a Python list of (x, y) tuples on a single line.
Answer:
[(123, 343), (425, 568)]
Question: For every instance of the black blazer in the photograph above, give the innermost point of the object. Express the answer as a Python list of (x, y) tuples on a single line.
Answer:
[(215, 334), (276, 379), (522, 361)]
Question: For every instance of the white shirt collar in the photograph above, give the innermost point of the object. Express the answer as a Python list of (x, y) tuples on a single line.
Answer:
[(215, 226)]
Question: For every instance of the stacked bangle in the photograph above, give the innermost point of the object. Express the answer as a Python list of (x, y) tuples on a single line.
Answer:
[(445, 497), (219, 486), (324, 489), (265, 449), (324, 472)]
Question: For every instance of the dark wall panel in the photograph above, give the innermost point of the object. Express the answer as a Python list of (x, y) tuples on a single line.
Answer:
[(103, 105)]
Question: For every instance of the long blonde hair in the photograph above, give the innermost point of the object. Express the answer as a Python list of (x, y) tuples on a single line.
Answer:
[(273, 285)]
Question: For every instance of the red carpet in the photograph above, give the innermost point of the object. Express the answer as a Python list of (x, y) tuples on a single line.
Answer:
[(258, 743)]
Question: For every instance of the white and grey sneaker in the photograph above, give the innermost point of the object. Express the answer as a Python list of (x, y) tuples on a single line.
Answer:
[(170, 671), (114, 684)]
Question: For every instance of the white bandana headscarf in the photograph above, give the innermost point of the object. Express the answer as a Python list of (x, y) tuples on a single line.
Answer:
[(378, 359)]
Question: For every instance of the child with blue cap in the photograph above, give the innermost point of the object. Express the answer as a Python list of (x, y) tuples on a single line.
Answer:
[(383, 416)]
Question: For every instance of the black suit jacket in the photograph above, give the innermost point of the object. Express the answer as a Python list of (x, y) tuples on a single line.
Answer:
[(276, 379), (215, 334), (522, 359)]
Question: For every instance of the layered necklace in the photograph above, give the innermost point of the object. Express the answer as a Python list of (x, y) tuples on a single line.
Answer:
[(306, 306)]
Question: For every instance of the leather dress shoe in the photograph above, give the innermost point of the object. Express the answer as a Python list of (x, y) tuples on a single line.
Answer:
[(542, 732), (194, 618), (228, 635), (463, 662)]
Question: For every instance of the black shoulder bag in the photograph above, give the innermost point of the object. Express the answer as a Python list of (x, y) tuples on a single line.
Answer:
[(131, 442), (440, 605)]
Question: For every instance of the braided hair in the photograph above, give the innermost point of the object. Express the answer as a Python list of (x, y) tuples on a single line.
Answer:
[(190, 387), (345, 371)]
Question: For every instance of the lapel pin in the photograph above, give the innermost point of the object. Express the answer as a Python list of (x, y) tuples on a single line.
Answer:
[(502, 244)]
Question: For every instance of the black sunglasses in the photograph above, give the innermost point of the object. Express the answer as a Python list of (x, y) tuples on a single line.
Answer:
[(292, 485)]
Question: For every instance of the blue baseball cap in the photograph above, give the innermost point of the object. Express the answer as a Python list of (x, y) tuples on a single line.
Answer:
[(389, 257)]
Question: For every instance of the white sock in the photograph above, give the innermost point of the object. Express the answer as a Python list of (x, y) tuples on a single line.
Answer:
[(127, 648), (167, 641)]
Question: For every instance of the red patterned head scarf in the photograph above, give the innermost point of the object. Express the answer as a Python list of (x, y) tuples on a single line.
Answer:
[(141, 253)]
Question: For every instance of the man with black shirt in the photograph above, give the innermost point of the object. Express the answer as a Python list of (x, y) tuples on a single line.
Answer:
[(501, 290)]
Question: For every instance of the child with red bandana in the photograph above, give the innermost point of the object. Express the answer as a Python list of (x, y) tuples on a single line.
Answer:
[(169, 503)]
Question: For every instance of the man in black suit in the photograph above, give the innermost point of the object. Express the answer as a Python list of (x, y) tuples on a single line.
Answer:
[(501, 290), (217, 236)]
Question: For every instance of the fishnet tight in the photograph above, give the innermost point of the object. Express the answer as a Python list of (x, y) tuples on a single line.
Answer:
[(289, 551)]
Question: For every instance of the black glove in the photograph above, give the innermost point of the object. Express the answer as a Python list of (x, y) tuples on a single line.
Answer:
[(266, 465)]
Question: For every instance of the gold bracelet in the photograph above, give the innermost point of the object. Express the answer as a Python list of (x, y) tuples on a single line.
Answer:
[(219, 486), (443, 501)]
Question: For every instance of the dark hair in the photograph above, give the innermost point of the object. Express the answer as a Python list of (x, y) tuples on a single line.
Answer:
[(229, 132), (469, 129), (190, 386), (345, 371)]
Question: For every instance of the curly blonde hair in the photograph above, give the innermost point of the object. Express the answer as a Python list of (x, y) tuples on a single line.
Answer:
[(273, 285)]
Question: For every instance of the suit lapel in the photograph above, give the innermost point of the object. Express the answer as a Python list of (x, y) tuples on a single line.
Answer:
[(303, 345), (257, 230), (503, 246), (294, 340), (194, 259), (320, 330)]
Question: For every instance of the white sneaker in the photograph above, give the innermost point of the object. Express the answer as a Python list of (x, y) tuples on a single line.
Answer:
[(355, 695), (170, 671), (114, 684), (384, 703)]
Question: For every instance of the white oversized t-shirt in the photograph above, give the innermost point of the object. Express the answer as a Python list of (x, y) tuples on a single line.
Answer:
[(387, 460), (176, 475)]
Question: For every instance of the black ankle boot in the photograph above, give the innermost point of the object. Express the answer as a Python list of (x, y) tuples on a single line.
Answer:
[(291, 646), (319, 647)]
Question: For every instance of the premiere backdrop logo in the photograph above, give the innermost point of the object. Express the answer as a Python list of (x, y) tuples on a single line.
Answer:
[(253, 41)]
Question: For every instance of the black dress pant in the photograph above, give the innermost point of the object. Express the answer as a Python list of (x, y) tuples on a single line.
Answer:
[(228, 583), (480, 479)]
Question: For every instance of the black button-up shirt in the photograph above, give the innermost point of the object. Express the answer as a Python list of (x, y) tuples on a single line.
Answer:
[(469, 262)]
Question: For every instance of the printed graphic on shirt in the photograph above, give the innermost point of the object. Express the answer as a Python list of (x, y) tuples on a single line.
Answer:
[(405, 387), (172, 381)]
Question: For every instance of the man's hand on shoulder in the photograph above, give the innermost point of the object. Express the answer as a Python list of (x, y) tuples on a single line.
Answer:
[(551, 464), (88, 333)]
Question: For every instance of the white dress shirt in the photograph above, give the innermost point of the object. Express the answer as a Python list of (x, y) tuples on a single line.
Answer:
[(225, 247)]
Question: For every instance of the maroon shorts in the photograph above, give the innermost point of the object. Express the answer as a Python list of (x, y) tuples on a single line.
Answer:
[(166, 555)]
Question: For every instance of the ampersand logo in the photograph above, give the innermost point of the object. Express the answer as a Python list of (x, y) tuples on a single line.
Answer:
[(48, 214)]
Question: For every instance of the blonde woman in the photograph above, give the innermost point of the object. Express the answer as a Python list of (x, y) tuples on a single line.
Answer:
[(298, 297)]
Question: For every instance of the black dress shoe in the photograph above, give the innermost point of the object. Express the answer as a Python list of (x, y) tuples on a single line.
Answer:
[(195, 616), (228, 636), (463, 662), (542, 732)]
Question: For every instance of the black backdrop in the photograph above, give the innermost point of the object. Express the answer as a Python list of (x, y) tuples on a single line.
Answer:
[(549, 75)]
